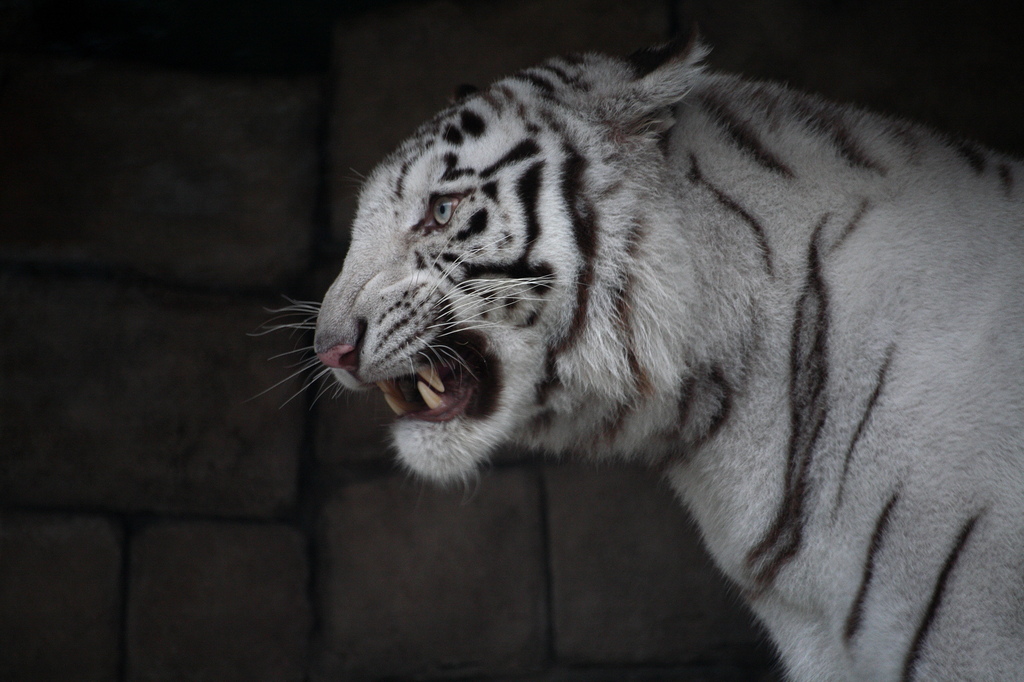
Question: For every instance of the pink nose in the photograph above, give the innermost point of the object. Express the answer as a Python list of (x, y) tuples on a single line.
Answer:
[(342, 356)]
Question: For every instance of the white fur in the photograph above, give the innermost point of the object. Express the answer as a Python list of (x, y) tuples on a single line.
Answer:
[(930, 276)]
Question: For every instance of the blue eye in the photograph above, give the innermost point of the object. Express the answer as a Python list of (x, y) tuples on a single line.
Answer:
[(443, 209)]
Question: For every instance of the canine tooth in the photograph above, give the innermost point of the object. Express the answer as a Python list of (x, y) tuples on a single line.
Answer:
[(429, 397), (395, 405), (389, 388), (394, 398), (430, 375)]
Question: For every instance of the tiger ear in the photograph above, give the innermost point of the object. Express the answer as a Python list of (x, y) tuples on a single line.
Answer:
[(663, 76), (648, 59)]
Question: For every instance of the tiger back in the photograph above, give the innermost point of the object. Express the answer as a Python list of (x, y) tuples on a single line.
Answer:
[(808, 316)]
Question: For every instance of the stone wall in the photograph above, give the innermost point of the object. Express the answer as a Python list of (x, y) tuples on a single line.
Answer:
[(177, 504)]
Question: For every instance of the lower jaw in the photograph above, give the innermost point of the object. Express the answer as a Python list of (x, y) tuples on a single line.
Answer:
[(456, 409)]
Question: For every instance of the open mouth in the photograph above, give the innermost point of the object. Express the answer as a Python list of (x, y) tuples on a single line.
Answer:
[(427, 395), (440, 392)]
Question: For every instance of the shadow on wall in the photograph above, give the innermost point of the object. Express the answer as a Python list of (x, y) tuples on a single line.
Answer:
[(170, 171)]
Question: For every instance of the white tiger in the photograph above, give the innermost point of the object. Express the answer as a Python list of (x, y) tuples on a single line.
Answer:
[(810, 317)]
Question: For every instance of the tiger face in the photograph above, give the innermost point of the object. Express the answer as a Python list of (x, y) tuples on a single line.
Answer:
[(470, 293)]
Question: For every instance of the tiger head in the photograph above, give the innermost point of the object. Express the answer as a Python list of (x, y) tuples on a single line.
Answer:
[(493, 289)]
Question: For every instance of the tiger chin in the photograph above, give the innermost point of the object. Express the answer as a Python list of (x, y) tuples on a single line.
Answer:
[(808, 316)]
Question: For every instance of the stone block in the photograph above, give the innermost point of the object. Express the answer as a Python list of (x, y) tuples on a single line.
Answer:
[(144, 400), (17, 27), (352, 427), (395, 68), (630, 581), (218, 601), (659, 673), (190, 177), (60, 599), (905, 59), (419, 583)]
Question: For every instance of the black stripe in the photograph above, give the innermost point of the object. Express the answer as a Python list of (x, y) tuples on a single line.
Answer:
[(491, 190), (400, 183), (552, 121), (549, 381), (509, 95), (938, 593), (389, 335), (907, 135), (542, 420), (624, 311), (584, 233), (584, 230), (527, 190), (685, 401), (722, 393), (972, 154), (852, 151), (641, 378), (472, 123), (1006, 177), (453, 135), (853, 223), (769, 99), (703, 406), (451, 172), (858, 432), (856, 613), (684, 406), (742, 135), (546, 87), (476, 224), (696, 177), (808, 379), (518, 269), (571, 81), (443, 269), (524, 150), (404, 343), (490, 98), (827, 119)]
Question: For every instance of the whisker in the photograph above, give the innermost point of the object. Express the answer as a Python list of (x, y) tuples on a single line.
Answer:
[(327, 386), (308, 364), (305, 386), (303, 349), (263, 330)]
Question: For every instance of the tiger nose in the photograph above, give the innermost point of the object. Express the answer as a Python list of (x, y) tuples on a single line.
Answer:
[(343, 356)]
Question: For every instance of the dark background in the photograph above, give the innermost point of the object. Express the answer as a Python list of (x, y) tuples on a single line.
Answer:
[(169, 170)]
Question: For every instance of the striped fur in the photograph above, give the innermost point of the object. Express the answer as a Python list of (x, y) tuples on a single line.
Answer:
[(810, 317)]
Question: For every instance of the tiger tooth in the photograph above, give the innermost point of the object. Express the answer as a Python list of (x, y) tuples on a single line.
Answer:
[(429, 397), (394, 398), (395, 405), (430, 375), (388, 388)]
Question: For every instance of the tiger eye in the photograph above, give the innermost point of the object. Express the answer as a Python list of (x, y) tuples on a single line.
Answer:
[(443, 209)]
